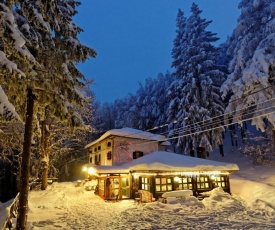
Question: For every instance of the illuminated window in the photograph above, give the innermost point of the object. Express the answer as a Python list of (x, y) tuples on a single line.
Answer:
[(145, 185), (163, 184), (185, 183), (221, 181), (97, 159), (203, 182), (137, 154)]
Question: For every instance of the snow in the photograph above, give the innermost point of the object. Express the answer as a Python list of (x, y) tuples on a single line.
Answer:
[(166, 161), (129, 132), (251, 206), (178, 193), (5, 63), (5, 106)]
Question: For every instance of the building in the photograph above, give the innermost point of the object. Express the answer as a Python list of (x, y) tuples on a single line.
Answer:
[(153, 172), (119, 146)]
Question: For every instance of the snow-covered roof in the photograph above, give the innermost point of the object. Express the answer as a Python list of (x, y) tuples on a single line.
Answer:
[(130, 133), (168, 161)]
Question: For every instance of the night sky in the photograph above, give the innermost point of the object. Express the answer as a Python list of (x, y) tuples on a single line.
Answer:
[(134, 39)]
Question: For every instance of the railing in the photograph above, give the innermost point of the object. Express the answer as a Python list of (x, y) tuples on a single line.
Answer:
[(36, 184), (12, 213)]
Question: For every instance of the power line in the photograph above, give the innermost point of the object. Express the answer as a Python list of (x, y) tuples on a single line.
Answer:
[(220, 117), (212, 121), (221, 126), (205, 128)]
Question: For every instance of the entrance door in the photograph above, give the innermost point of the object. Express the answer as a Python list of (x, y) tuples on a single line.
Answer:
[(117, 188), (114, 188), (125, 188)]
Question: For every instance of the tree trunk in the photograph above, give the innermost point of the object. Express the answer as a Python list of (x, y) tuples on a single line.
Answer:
[(45, 149), (273, 136), (25, 164)]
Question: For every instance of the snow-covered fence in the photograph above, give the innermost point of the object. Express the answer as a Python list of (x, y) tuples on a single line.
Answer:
[(12, 213)]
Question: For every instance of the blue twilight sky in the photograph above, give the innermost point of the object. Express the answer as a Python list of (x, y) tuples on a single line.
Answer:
[(134, 39)]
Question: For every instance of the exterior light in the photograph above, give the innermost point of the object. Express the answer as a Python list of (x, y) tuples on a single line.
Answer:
[(84, 169), (91, 171)]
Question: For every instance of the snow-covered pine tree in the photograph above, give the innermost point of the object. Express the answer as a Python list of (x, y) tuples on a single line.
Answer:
[(120, 106), (179, 48), (146, 107), (152, 103), (161, 100), (12, 51), (196, 103), (143, 110), (251, 78), (51, 77), (125, 112)]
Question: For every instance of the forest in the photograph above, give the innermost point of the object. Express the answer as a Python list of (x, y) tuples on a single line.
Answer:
[(48, 113), (210, 88)]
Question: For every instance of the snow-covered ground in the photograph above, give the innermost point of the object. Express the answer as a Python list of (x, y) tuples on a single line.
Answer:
[(251, 206)]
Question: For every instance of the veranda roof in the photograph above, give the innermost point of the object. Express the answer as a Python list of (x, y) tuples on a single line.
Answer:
[(161, 161), (168, 161)]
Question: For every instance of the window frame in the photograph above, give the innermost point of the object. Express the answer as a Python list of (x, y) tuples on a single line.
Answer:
[(203, 182), (145, 183), (163, 184), (188, 185), (109, 155), (220, 180), (137, 154)]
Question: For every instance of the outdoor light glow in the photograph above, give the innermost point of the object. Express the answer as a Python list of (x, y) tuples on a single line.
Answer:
[(91, 171), (147, 174), (135, 176), (84, 169), (190, 174)]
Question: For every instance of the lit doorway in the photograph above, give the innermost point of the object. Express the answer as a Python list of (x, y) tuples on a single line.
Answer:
[(117, 188)]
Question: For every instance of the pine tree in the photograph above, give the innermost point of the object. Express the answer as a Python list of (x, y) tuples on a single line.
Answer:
[(180, 46), (195, 100), (46, 49), (251, 69), (151, 103), (12, 51)]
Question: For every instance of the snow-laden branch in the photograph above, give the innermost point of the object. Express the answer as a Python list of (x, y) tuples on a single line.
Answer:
[(6, 108)]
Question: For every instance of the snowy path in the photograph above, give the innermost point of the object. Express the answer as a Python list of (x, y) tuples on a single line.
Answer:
[(63, 206)]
